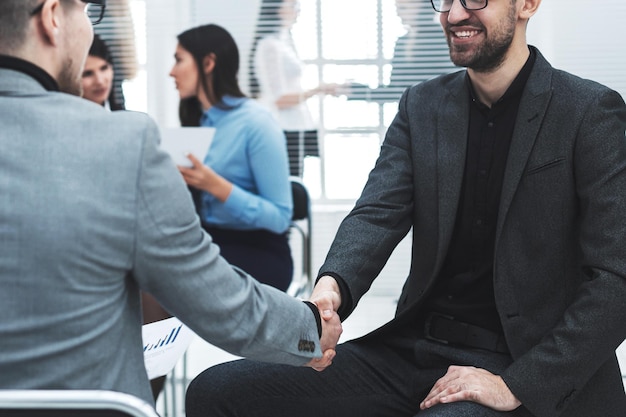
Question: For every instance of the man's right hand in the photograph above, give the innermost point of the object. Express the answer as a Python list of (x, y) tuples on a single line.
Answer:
[(331, 331), (327, 297)]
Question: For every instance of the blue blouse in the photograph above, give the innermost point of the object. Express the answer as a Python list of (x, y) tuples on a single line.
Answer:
[(248, 150)]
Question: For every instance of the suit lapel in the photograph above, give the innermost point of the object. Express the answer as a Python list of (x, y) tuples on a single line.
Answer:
[(532, 110), (451, 148)]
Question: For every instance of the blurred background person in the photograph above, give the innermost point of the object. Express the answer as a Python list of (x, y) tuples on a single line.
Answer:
[(241, 187), (275, 78), (117, 29), (98, 76), (419, 55)]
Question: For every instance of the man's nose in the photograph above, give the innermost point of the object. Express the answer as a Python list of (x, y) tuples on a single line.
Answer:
[(457, 12)]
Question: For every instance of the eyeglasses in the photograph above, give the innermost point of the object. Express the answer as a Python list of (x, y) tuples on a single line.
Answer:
[(444, 6), (94, 10)]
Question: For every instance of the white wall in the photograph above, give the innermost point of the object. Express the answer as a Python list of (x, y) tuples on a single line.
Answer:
[(584, 38)]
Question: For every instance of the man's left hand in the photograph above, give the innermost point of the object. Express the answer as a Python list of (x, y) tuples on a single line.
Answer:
[(466, 383)]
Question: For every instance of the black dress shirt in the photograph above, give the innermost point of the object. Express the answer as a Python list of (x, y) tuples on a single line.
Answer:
[(465, 285)]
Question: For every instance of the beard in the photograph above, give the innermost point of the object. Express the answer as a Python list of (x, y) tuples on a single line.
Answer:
[(69, 79), (491, 53)]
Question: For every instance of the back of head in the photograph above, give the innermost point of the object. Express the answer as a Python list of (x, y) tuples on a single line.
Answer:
[(15, 16), (204, 41)]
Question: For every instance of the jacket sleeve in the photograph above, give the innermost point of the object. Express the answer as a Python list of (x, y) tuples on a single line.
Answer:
[(380, 219), (176, 261)]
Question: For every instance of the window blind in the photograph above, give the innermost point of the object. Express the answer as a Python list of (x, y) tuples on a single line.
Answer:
[(118, 31)]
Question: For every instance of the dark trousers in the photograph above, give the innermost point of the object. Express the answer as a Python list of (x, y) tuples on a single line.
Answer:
[(370, 378), (263, 254), (300, 144)]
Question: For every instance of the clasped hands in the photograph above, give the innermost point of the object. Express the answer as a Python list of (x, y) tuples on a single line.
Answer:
[(327, 297)]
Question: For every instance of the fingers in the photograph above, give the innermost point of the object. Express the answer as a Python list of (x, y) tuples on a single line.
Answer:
[(319, 364), (331, 332), (195, 161), (443, 392), (466, 383), (324, 303), (326, 296)]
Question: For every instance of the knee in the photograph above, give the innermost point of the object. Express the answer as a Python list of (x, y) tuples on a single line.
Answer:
[(209, 394)]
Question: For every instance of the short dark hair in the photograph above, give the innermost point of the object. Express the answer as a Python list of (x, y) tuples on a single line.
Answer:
[(201, 42), (14, 18)]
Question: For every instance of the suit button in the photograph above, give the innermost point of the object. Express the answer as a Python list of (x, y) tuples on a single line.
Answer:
[(306, 346)]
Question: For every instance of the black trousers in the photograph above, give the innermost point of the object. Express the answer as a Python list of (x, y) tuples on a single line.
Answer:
[(300, 144), (367, 378), (263, 254)]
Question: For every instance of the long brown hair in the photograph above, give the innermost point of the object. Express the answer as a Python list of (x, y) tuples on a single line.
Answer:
[(201, 42)]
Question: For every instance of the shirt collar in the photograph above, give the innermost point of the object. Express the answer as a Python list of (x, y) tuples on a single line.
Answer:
[(28, 68), (217, 112), (518, 84)]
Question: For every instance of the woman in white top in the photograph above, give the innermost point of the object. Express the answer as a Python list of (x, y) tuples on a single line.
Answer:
[(275, 79)]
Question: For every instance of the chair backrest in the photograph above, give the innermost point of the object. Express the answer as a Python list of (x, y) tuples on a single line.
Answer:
[(301, 222), (301, 200), (72, 403)]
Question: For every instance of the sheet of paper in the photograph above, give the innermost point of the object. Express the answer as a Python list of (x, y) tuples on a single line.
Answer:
[(164, 343), (179, 141)]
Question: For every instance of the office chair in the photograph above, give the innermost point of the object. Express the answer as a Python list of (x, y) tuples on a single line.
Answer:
[(72, 403), (302, 284)]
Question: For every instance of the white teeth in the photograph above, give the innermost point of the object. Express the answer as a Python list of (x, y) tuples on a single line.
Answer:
[(466, 34)]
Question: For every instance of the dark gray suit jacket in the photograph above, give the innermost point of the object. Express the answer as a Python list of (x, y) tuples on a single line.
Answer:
[(560, 256), (91, 211)]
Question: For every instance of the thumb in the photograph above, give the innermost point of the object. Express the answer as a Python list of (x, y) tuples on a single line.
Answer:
[(325, 306), (195, 161)]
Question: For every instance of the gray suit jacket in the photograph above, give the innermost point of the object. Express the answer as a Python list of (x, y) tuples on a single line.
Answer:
[(560, 256), (91, 211)]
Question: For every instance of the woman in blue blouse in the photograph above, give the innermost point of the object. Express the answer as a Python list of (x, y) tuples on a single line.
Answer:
[(241, 187)]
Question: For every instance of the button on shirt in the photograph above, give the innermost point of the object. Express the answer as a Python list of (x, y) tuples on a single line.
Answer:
[(465, 285), (248, 150)]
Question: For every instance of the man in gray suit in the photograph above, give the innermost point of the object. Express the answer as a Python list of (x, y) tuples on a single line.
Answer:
[(91, 211), (512, 176)]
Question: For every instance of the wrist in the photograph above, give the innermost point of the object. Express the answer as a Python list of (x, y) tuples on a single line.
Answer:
[(318, 318)]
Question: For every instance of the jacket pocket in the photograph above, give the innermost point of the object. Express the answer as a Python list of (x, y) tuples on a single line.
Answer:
[(545, 165)]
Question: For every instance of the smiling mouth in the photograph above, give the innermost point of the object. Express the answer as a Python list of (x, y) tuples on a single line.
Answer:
[(466, 34)]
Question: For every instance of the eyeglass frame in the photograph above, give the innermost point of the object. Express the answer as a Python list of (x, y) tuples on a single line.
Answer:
[(463, 3), (101, 3)]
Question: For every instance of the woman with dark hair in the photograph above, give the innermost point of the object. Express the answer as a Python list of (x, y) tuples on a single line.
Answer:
[(98, 76), (275, 79), (242, 183)]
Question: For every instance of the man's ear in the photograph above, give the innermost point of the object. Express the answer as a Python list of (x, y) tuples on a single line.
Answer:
[(208, 63), (50, 21), (529, 8)]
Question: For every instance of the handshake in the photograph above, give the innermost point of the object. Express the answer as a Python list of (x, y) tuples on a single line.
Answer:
[(327, 297)]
